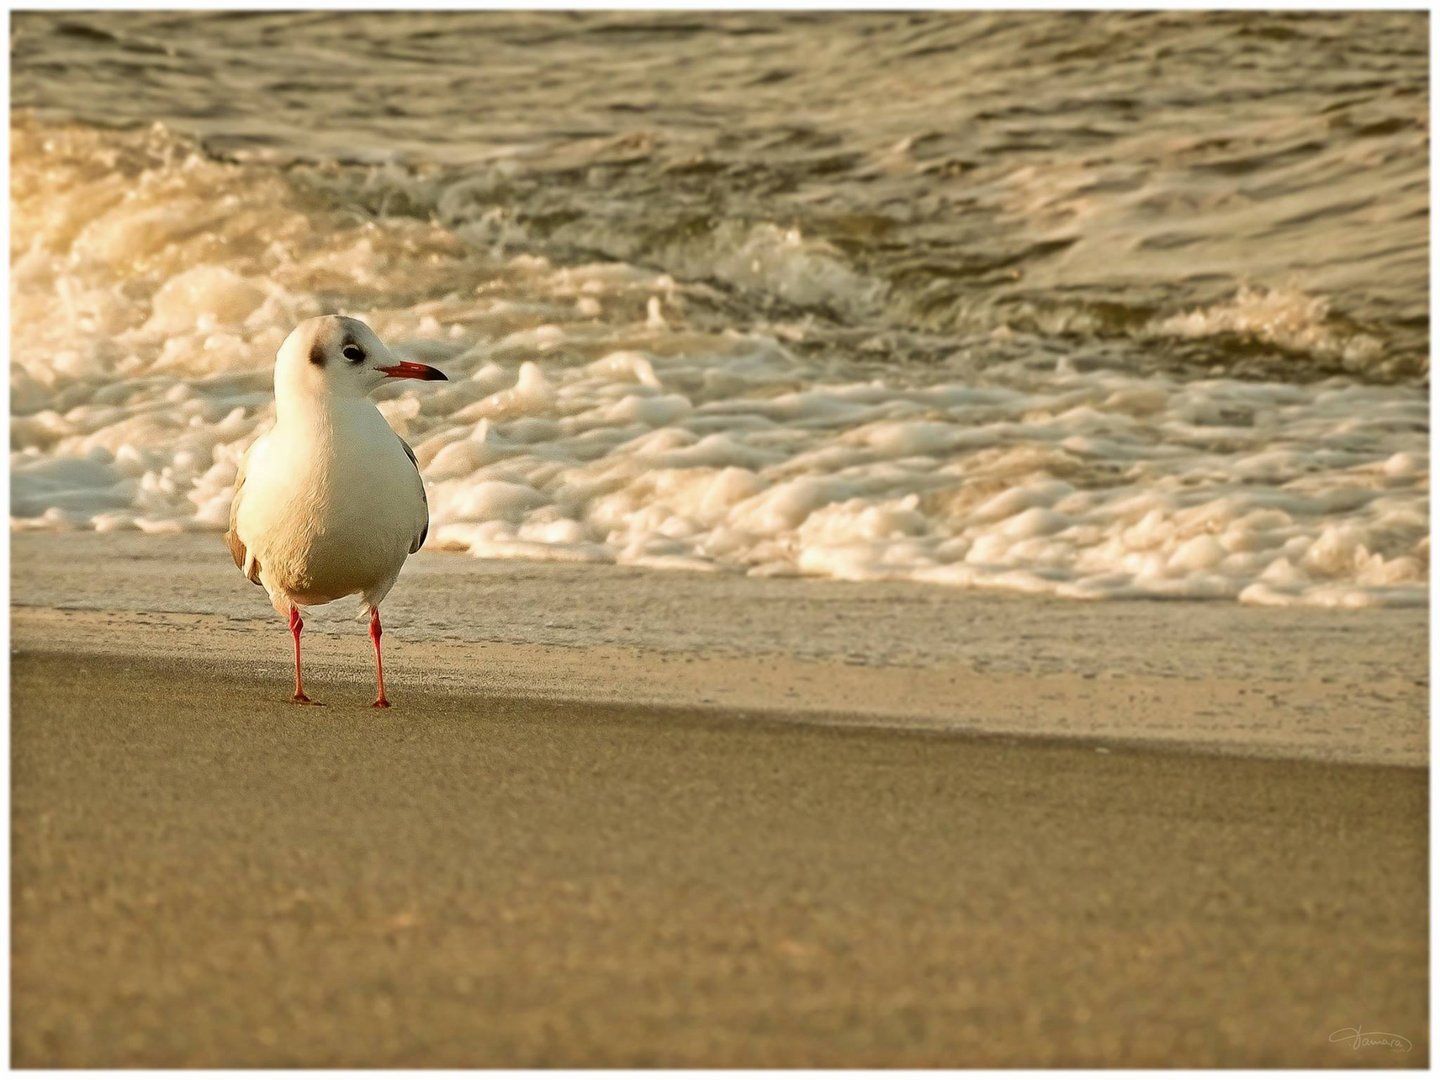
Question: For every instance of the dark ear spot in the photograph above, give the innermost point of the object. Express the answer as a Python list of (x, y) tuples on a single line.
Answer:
[(317, 354)]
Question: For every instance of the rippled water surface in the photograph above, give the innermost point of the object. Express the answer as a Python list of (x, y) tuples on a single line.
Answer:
[(1097, 304)]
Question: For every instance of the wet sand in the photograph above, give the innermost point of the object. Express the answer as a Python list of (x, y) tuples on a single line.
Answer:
[(517, 867), (1344, 686)]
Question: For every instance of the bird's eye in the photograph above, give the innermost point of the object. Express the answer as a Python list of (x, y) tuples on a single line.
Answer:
[(353, 353)]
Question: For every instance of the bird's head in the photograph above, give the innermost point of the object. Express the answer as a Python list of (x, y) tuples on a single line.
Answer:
[(337, 356)]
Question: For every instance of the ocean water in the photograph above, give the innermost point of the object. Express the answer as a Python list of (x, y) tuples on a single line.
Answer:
[(1093, 305)]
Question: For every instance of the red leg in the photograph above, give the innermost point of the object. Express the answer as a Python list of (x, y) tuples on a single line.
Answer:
[(296, 625), (381, 701)]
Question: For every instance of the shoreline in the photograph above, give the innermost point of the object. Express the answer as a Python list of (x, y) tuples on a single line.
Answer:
[(1190, 678)]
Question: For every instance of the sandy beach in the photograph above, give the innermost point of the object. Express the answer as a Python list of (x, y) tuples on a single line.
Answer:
[(712, 821)]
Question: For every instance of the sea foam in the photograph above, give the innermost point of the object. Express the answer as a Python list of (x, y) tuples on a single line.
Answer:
[(589, 418)]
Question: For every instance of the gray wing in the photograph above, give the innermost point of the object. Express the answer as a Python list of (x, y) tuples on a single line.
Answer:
[(232, 538), (419, 541)]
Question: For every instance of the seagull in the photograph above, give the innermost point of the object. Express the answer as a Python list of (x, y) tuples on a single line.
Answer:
[(329, 502)]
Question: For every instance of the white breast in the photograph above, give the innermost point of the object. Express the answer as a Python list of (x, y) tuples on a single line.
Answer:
[(331, 505)]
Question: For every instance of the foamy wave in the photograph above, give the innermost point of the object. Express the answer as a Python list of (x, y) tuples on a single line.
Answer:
[(1289, 318), (587, 419)]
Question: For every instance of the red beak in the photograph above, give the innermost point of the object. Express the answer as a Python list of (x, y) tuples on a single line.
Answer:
[(406, 370)]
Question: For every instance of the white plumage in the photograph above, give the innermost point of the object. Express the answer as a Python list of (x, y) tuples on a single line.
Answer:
[(329, 503)]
